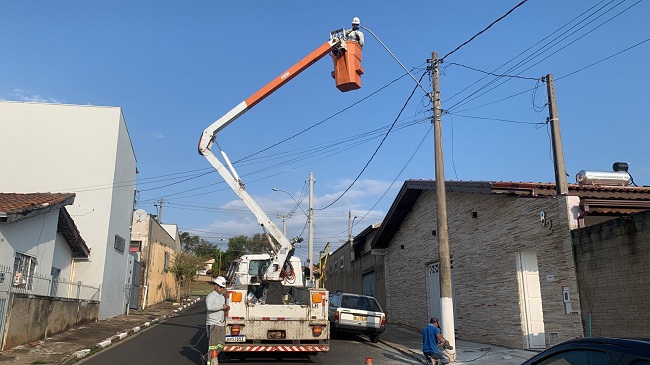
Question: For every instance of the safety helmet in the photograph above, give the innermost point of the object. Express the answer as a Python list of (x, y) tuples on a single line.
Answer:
[(356, 21), (219, 280)]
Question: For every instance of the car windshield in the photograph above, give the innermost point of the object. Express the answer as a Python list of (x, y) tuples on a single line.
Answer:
[(360, 303)]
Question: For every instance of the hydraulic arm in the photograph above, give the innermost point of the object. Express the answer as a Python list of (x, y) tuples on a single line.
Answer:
[(347, 74)]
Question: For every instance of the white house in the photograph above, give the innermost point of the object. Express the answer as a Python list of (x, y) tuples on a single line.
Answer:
[(40, 247), (84, 150)]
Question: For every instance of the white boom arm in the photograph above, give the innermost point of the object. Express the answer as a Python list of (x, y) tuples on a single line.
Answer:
[(283, 253)]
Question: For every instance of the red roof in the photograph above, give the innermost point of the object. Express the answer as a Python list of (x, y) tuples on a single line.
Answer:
[(13, 203)]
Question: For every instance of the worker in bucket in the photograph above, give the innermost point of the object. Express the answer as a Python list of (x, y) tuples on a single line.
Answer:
[(354, 34), (215, 324), (431, 336)]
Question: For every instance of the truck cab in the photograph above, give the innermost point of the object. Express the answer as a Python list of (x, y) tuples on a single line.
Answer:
[(249, 270)]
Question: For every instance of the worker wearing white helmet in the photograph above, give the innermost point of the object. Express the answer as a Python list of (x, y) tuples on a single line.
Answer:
[(215, 324), (354, 34)]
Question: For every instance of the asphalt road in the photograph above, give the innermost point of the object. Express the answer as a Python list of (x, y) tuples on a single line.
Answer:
[(181, 340)]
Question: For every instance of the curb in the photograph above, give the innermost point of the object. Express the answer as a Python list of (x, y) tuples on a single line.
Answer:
[(122, 335)]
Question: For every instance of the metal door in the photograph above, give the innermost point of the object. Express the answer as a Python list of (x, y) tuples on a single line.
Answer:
[(433, 271), (531, 300), (134, 301), (368, 284), (5, 286)]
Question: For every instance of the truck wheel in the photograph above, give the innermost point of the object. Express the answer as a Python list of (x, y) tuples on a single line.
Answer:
[(374, 338)]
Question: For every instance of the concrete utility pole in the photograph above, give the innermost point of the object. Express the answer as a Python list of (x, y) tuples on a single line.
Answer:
[(311, 228), (446, 297), (350, 238), (284, 222), (558, 156), (160, 208)]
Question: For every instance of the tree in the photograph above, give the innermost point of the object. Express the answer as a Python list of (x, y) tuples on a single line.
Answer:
[(184, 267), (198, 246)]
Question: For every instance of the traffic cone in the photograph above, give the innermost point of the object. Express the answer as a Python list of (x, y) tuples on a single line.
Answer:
[(213, 358), (368, 361)]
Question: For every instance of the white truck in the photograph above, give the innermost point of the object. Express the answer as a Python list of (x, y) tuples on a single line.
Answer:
[(271, 308)]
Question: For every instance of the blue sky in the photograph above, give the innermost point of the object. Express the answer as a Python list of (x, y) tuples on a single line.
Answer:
[(175, 67)]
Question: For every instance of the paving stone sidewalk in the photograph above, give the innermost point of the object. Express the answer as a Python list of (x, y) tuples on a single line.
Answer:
[(83, 340)]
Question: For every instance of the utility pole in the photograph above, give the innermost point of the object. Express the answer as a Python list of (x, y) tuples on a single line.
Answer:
[(310, 219), (160, 208), (446, 297), (284, 221), (350, 238), (558, 156)]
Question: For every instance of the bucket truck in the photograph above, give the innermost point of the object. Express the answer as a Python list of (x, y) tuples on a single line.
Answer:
[(270, 307)]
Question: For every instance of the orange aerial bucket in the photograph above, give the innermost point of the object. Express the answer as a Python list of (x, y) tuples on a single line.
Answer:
[(347, 68)]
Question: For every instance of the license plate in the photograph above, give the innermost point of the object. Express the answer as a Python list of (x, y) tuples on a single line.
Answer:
[(360, 318), (235, 338)]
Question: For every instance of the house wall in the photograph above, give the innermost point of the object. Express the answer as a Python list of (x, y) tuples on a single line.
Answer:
[(88, 153), (31, 318), (613, 265), (350, 278), (156, 283), (484, 252), (34, 236), (340, 279), (62, 257)]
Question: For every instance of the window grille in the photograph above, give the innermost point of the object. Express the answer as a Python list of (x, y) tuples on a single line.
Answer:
[(24, 266)]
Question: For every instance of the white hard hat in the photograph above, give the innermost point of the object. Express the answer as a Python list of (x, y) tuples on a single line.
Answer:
[(219, 280), (356, 21)]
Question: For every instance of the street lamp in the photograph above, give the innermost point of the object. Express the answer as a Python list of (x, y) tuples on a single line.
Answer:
[(294, 200)]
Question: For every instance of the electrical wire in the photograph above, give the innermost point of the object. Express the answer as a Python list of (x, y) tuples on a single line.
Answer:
[(376, 150), (483, 31), (555, 41), (528, 58), (604, 59), (490, 73)]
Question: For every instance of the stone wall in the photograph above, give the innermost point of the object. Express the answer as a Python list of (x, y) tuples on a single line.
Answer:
[(613, 265), (484, 252), (32, 318)]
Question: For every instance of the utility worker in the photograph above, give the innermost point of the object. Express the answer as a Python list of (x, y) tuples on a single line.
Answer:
[(431, 336), (354, 34), (215, 324)]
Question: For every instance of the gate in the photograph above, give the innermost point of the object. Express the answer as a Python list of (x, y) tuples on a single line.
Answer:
[(5, 286), (134, 302)]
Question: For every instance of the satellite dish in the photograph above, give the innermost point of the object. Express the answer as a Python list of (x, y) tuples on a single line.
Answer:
[(139, 215)]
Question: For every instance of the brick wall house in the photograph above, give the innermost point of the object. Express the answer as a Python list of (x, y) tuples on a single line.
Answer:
[(511, 268)]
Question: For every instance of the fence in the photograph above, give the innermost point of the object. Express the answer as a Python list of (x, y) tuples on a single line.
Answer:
[(49, 286)]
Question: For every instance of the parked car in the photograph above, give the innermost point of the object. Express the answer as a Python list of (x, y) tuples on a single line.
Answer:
[(595, 351), (354, 313)]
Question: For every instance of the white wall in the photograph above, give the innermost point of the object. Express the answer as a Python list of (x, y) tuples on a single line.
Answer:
[(62, 257), (33, 237), (84, 150)]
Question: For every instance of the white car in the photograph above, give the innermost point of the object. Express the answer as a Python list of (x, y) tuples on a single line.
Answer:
[(356, 313)]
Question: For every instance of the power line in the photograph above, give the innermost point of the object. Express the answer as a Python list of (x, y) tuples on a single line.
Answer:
[(496, 119), (483, 31), (378, 147), (555, 41), (493, 74), (604, 59)]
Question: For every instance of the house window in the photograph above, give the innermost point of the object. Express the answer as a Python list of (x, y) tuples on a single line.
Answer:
[(120, 243), (24, 266), (167, 261), (135, 246), (341, 263)]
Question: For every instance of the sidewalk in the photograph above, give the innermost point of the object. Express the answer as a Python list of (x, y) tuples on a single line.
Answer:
[(409, 342), (83, 340)]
